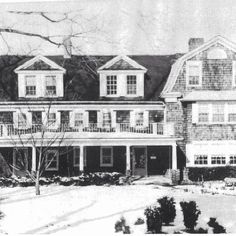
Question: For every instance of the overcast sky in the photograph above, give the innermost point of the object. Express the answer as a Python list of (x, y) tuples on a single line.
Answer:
[(120, 26)]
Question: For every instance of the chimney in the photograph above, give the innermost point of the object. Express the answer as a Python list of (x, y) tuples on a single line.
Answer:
[(194, 43), (67, 44)]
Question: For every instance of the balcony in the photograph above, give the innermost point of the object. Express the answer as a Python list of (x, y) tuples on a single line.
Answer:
[(153, 129)]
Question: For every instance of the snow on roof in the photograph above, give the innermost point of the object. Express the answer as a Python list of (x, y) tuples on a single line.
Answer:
[(210, 95)]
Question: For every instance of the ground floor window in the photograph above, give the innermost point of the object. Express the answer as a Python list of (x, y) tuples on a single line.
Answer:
[(52, 160), (76, 159), (218, 160), (106, 156), (200, 159), (20, 158), (139, 117), (232, 159), (79, 118)]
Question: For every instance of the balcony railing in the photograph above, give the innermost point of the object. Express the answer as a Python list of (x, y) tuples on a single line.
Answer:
[(166, 129)]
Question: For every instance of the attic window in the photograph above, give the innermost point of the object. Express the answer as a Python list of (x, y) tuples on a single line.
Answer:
[(217, 53), (30, 88), (111, 85), (194, 73)]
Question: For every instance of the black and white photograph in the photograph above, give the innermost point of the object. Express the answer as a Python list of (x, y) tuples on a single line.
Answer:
[(117, 117)]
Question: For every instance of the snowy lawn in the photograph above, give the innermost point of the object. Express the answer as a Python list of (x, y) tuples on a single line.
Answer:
[(95, 209)]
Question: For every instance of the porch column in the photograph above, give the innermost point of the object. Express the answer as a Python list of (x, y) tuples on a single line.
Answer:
[(128, 166), (33, 168), (174, 156), (81, 158)]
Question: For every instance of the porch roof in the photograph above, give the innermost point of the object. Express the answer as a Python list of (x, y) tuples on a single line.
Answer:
[(210, 95)]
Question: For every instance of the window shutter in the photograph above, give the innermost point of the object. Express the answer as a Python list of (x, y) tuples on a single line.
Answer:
[(29, 119), (113, 119), (145, 118), (99, 114), (86, 121), (132, 118), (103, 85), (15, 119), (44, 118), (72, 118), (194, 113)]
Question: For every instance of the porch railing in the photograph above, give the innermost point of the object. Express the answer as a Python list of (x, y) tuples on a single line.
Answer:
[(166, 129)]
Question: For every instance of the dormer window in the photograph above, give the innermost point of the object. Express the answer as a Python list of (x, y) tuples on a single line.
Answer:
[(30, 88), (131, 84), (111, 85), (194, 73), (51, 83), (121, 77)]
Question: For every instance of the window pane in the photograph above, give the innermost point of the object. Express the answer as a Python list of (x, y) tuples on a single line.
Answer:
[(50, 85), (111, 85), (203, 113), (30, 88), (131, 84), (200, 159), (232, 159), (139, 118), (218, 160), (123, 117), (194, 74), (51, 118), (107, 119), (22, 121), (218, 112), (78, 119)]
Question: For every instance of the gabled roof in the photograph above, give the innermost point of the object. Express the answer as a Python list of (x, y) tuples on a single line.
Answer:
[(39, 63), (122, 63), (210, 95), (177, 66)]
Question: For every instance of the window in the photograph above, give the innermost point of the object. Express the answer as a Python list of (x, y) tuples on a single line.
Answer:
[(77, 157), (156, 116), (30, 88), (51, 85), (22, 120), (232, 159), (52, 160), (231, 112), (194, 73), (218, 160), (78, 119), (131, 84), (106, 119), (200, 160), (36, 117), (139, 118), (203, 113), (106, 156), (123, 117), (111, 85), (217, 112), (51, 119)]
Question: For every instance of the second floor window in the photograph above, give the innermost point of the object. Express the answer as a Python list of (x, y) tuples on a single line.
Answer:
[(30, 88), (106, 119), (139, 118), (51, 118), (131, 84), (218, 113), (111, 85), (203, 113), (78, 119), (22, 120), (51, 88)]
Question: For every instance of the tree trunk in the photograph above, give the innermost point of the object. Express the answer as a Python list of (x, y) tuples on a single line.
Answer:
[(37, 186)]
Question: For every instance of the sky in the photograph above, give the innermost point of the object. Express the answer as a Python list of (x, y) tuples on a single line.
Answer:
[(117, 26)]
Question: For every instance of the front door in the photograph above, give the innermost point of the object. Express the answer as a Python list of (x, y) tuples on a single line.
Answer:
[(140, 161)]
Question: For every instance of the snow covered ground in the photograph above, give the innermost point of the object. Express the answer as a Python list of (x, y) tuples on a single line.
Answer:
[(95, 209)]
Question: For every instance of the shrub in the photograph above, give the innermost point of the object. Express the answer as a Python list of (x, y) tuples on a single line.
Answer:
[(121, 225), (139, 221), (217, 228), (167, 209), (153, 219), (211, 173), (191, 214), (200, 231)]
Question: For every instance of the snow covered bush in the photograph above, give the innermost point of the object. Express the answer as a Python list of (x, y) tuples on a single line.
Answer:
[(217, 228), (153, 219), (139, 221), (191, 213), (121, 225), (167, 209)]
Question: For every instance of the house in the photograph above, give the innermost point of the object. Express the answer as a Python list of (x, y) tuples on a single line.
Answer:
[(136, 115), (116, 125), (200, 98)]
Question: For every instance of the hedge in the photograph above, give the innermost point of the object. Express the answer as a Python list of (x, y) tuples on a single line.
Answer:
[(211, 173), (97, 178)]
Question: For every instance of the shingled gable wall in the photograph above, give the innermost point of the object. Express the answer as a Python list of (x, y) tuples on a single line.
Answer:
[(216, 75)]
